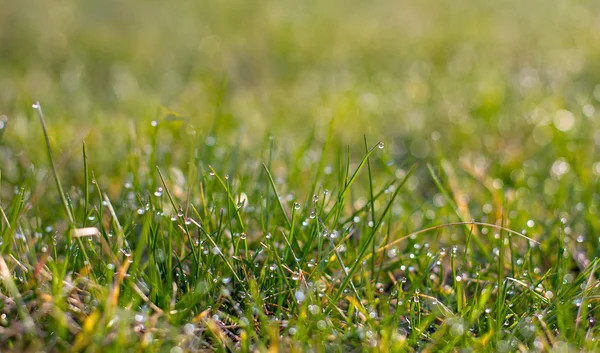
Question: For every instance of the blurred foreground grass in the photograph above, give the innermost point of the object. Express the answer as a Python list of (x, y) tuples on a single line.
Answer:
[(495, 102)]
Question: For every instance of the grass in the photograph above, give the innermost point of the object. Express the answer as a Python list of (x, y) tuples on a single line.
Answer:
[(392, 176)]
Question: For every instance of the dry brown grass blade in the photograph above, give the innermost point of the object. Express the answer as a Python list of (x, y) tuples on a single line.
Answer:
[(113, 298)]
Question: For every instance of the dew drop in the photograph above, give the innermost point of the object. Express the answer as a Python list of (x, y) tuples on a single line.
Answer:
[(392, 253), (189, 329), (299, 296), (314, 309)]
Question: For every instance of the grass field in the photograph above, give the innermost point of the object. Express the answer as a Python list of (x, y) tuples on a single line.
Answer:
[(406, 176)]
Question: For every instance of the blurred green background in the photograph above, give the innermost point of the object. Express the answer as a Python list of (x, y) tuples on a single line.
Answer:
[(493, 84)]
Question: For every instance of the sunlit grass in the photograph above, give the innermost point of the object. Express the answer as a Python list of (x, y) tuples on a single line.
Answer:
[(390, 176)]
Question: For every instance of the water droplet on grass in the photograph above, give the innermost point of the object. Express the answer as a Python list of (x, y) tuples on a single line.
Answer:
[(296, 206), (299, 296), (380, 145), (314, 309), (392, 253), (457, 330), (210, 141), (189, 329)]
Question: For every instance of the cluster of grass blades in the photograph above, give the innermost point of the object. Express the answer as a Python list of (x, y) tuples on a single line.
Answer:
[(200, 259)]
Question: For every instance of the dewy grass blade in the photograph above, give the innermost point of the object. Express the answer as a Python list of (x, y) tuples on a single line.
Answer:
[(230, 198), (365, 245), (272, 182), (63, 198), (86, 176), (348, 183), (181, 220), (371, 201), (219, 252), (456, 210), (342, 265)]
